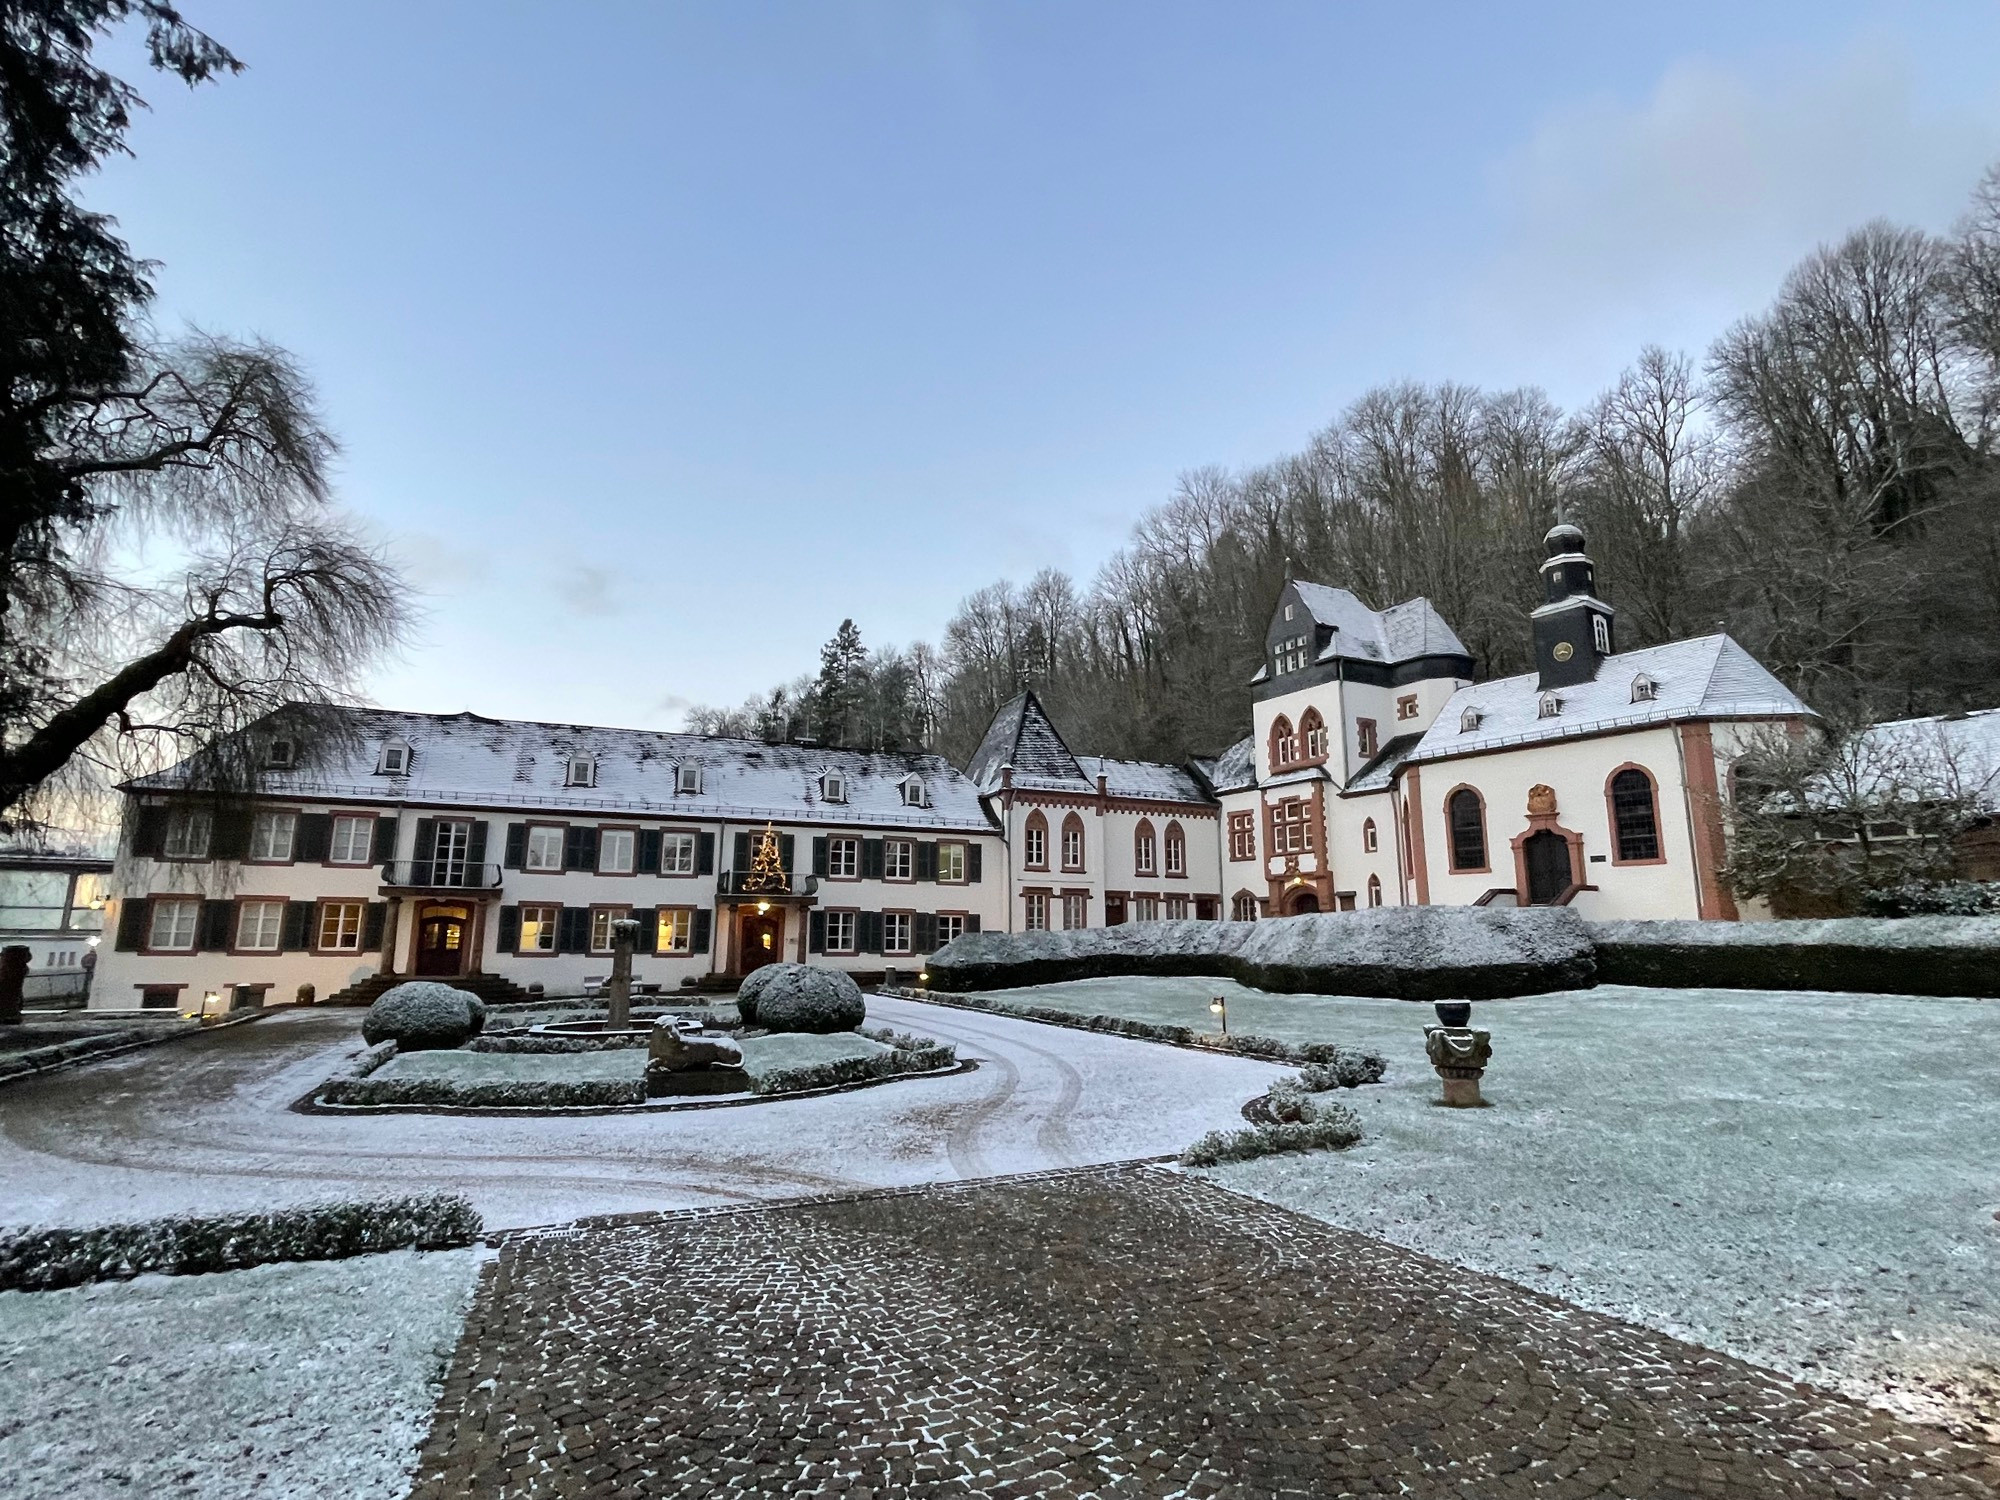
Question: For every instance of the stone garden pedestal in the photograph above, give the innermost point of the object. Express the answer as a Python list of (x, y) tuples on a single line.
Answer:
[(1460, 1055)]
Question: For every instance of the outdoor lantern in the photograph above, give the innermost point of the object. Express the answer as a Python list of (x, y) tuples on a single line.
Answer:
[(763, 907), (1219, 1006), (211, 1002)]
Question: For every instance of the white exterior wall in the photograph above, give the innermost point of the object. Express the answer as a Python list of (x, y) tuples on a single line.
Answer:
[(1578, 771), (1110, 833), (1349, 857)]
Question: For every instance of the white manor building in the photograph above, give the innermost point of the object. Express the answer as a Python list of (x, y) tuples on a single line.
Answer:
[(496, 854)]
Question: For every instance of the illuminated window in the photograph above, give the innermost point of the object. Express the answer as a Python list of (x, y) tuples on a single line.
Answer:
[(340, 926), (951, 863), (538, 929), (676, 934), (601, 918)]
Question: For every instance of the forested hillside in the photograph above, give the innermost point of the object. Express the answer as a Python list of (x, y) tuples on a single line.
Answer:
[(1822, 483)]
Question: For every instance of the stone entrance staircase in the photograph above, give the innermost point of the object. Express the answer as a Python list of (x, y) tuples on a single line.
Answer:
[(491, 988)]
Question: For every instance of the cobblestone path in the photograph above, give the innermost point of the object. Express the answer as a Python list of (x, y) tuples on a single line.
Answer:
[(1104, 1332)]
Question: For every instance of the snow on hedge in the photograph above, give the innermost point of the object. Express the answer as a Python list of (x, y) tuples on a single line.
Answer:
[(1407, 952), (793, 1062), (284, 1382), (423, 1013), (802, 997), (499, 1080), (1933, 955)]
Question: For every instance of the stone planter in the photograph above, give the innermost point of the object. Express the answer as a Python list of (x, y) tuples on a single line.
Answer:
[(1460, 1055)]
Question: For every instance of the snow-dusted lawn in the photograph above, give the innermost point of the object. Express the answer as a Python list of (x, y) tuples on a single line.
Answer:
[(618, 1063), (1807, 1180), (303, 1380)]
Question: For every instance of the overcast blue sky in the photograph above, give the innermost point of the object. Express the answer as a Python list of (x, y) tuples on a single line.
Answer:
[(662, 337)]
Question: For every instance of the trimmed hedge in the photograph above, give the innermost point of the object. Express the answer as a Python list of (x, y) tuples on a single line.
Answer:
[(1334, 1128), (1402, 952), (926, 1057), (44, 1259), (1935, 955), (512, 1093)]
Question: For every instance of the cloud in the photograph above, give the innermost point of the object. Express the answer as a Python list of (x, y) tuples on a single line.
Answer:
[(589, 591), (1684, 209)]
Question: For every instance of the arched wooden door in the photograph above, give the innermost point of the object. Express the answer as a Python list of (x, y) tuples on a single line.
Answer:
[(1303, 902), (441, 940), (1549, 870), (760, 940)]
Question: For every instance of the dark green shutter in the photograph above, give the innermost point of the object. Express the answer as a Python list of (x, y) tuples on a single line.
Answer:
[(927, 860), (972, 853), (704, 854), (312, 840), (785, 848), (231, 836), (703, 923), (972, 923), (217, 917), (648, 918), (819, 854), (149, 831), (298, 933), (517, 846), (648, 858), (580, 849), (385, 841), (573, 930), (132, 914), (869, 932), (924, 939), (475, 843), (871, 859), (426, 848), (741, 861), (374, 925), (510, 927), (816, 932)]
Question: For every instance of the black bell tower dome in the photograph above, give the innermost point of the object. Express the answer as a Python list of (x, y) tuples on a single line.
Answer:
[(1573, 628)]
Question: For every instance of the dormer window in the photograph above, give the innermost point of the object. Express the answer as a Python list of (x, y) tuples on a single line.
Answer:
[(1470, 720), (915, 793), (1290, 610), (1551, 706), (687, 778), (281, 755), (394, 759), (1644, 689), (581, 770), (833, 786)]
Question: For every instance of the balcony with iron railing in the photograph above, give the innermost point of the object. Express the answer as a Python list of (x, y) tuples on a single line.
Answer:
[(742, 883), (439, 875)]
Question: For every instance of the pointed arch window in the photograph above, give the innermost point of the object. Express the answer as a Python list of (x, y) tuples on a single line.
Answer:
[(1035, 842), (1143, 853), (1635, 817), (1465, 820), (1374, 890), (1072, 844), (1176, 850), (1312, 729), (1284, 744), (1369, 839)]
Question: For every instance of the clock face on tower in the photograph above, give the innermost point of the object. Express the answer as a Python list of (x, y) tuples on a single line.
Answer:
[(1564, 651)]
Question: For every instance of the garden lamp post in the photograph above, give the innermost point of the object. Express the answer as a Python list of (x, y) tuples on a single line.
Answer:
[(1219, 1006)]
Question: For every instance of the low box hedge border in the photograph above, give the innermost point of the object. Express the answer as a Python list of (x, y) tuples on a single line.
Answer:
[(188, 1245), (926, 1056)]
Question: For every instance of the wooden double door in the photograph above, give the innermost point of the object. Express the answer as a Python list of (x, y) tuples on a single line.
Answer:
[(444, 940)]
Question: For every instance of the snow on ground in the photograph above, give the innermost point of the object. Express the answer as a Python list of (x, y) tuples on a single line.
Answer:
[(302, 1380), (1806, 1180), (779, 1051)]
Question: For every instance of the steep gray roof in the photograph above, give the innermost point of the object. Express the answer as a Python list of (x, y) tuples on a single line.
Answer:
[(468, 761), (1144, 780), (1023, 736), (1236, 768), (1381, 769), (1402, 632), (1710, 677)]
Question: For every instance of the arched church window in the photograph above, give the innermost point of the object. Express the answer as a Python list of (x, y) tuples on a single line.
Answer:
[(1635, 815), (1035, 842), (1142, 848), (1374, 890), (1313, 728), (1465, 816), (1284, 744), (1072, 848), (1176, 850), (1368, 837)]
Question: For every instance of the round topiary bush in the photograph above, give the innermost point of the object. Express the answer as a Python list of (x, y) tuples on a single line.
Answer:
[(754, 986), (798, 997), (423, 1013)]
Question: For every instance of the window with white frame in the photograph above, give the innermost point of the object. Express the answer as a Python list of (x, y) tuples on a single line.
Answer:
[(1176, 852), (1470, 720), (544, 849), (1369, 838), (676, 930), (173, 926), (1600, 634), (1644, 689), (915, 793), (394, 760), (351, 840), (1145, 908), (898, 928), (281, 755), (1406, 706), (1315, 728), (1177, 908), (187, 834), (259, 925), (951, 863), (677, 854), (1035, 846), (1076, 911), (1243, 907), (271, 836), (687, 778), (840, 928), (581, 771), (833, 786), (1365, 741), (614, 851), (1288, 827), (899, 859), (1374, 890), (538, 929), (340, 926), (1550, 706), (1035, 912), (950, 925), (843, 858), (1142, 849), (1242, 835), (601, 918), (1072, 846)]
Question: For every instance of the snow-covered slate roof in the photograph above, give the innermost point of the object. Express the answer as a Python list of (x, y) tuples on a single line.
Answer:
[(1024, 737), (1959, 751), (468, 761), (1381, 770), (1710, 677), (1402, 632), (1144, 780), (1236, 768)]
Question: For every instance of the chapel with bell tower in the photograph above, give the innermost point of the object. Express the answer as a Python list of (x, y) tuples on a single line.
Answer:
[(1573, 628)]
